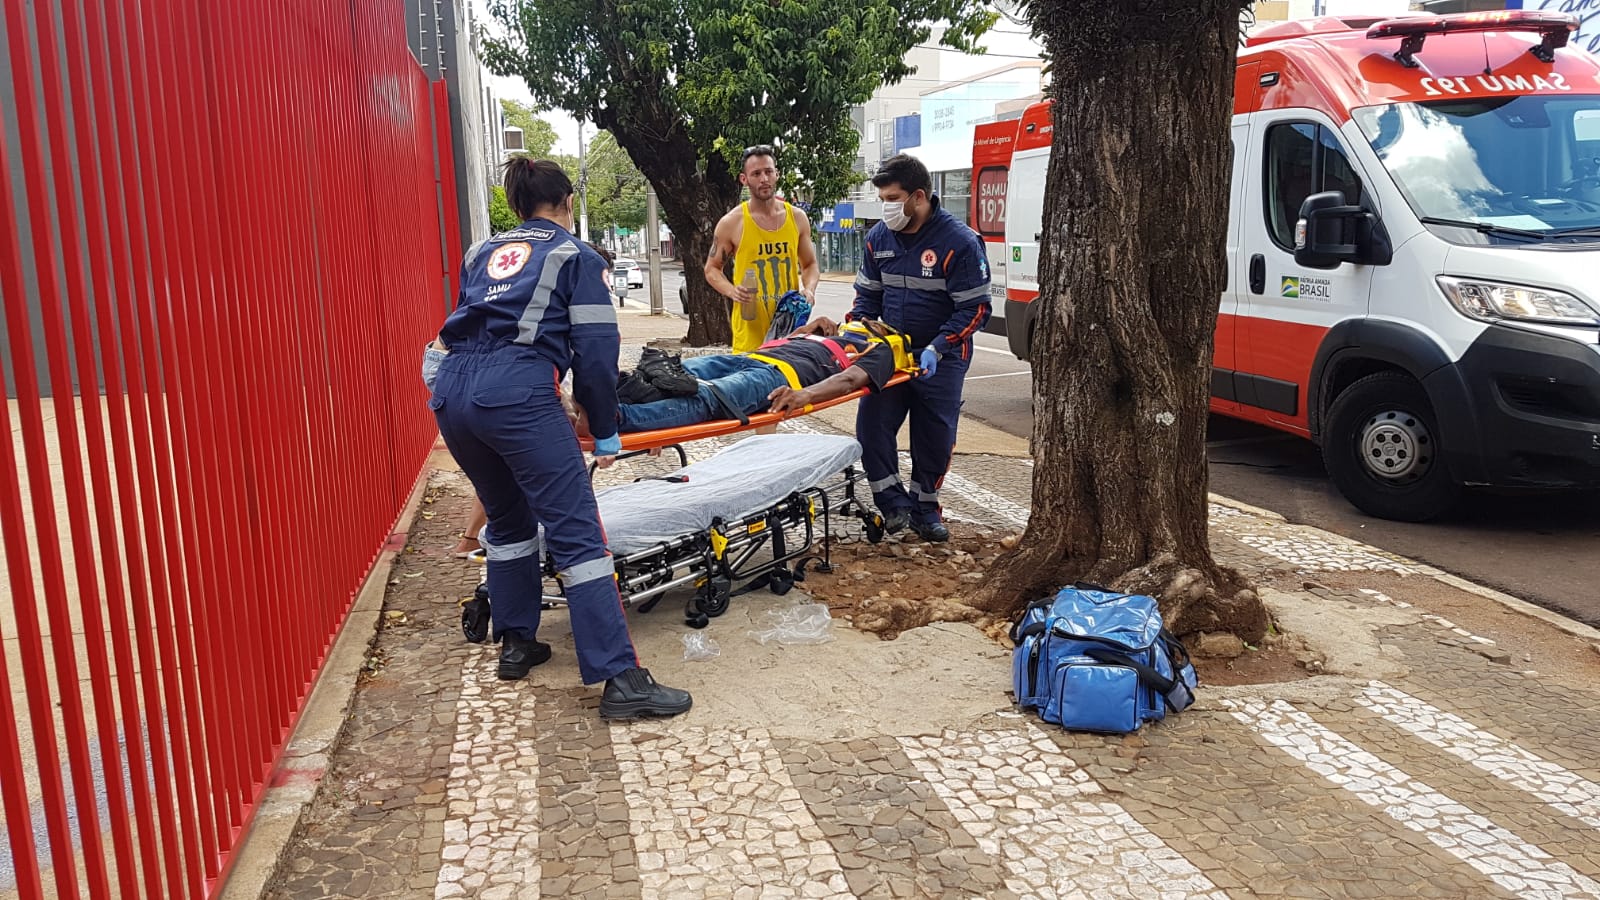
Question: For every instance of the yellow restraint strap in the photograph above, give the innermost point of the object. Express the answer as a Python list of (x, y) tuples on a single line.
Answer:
[(788, 371)]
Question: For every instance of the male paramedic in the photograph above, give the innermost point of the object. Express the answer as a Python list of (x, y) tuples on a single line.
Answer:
[(769, 242), (534, 303), (924, 273)]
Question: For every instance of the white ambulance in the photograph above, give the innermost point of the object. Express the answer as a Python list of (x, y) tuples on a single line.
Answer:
[(1413, 252)]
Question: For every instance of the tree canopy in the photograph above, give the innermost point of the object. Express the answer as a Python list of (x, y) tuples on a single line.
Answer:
[(685, 85)]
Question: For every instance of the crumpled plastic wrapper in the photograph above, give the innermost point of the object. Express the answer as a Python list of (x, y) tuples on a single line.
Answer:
[(698, 646), (805, 623)]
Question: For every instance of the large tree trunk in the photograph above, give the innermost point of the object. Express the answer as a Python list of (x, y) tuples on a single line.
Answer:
[(1132, 264), (693, 196)]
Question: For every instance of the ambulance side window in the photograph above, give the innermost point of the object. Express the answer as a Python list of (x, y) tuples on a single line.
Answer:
[(1302, 159)]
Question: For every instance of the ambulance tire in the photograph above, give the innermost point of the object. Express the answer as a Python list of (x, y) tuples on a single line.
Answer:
[(1381, 450)]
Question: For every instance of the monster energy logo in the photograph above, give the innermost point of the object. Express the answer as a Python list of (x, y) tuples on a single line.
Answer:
[(775, 275)]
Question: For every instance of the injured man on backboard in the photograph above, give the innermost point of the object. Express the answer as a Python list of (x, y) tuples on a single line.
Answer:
[(818, 362)]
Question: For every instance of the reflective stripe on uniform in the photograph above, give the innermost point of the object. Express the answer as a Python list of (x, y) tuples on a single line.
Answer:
[(528, 326), (914, 282), (867, 284), (971, 294), (789, 374), (925, 496), (585, 572), (592, 314), (884, 483), (503, 552)]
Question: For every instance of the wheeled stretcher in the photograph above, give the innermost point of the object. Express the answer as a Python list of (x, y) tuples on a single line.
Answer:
[(756, 514)]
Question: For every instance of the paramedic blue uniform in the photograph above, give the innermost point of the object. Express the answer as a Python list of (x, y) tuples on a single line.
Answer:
[(934, 286), (534, 303)]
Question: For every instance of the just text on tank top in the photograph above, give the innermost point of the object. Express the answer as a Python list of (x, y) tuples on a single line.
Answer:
[(774, 258)]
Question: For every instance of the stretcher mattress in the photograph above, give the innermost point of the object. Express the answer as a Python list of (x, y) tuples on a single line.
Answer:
[(745, 478)]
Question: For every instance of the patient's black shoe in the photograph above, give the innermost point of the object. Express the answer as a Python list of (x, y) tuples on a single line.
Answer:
[(635, 388), (666, 373), (634, 693), (519, 654)]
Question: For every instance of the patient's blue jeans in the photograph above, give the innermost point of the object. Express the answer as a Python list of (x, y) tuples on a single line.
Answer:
[(744, 381)]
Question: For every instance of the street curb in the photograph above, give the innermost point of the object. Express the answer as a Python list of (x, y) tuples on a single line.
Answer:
[(299, 773), (1549, 617), (1256, 511)]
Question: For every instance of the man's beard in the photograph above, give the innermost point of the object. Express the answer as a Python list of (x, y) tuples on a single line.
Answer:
[(764, 193)]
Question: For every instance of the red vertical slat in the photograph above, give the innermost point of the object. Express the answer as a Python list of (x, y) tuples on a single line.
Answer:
[(13, 777), (123, 389), (74, 727)]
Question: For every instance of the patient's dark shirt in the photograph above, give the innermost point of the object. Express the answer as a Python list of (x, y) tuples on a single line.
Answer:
[(813, 361)]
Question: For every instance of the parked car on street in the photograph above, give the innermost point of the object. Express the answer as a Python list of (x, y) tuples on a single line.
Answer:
[(630, 270)]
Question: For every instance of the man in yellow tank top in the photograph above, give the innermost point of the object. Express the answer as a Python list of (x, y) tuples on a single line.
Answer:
[(769, 242)]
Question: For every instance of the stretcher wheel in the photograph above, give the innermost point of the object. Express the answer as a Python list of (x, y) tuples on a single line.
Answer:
[(874, 529), (713, 599), (475, 616)]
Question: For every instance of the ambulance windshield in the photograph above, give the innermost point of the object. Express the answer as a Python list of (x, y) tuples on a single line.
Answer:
[(1520, 169)]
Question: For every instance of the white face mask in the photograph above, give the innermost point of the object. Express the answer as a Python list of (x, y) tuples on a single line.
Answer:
[(894, 215)]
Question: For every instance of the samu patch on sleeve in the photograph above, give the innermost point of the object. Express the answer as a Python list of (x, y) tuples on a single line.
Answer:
[(508, 259)]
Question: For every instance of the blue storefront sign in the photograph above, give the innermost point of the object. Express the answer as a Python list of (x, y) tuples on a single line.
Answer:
[(840, 219), (1587, 37)]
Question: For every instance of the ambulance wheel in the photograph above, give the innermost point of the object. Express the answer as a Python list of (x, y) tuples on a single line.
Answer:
[(1381, 448)]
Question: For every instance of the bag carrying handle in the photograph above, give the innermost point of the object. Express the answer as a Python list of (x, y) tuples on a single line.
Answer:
[(1166, 687)]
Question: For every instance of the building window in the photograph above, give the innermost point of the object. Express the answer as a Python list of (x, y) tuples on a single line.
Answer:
[(955, 193), (872, 130)]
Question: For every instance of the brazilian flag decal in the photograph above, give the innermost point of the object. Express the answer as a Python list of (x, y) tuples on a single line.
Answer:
[(1291, 286)]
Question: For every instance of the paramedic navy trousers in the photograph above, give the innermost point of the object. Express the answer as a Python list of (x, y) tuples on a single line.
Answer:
[(499, 414), (934, 405)]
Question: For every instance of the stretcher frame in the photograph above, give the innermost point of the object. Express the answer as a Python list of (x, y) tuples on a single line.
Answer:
[(718, 558), (724, 560)]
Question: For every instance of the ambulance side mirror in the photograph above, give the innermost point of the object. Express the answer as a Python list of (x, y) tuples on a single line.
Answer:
[(1331, 232)]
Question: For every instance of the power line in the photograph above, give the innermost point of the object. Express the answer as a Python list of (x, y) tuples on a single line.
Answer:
[(964, 53)]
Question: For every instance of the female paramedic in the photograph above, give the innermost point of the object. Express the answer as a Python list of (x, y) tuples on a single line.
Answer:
[(534, 303)]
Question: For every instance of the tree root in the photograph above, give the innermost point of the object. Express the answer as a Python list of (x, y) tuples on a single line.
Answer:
[(888, 617)]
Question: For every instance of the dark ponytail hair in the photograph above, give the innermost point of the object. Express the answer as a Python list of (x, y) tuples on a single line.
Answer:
[(532, 184)]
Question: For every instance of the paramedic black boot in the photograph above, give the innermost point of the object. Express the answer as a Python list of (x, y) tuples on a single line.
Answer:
[(519, 654), (634, 693), (933, 532)]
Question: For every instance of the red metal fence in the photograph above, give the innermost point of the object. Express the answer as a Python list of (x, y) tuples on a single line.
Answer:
[(219, 257)]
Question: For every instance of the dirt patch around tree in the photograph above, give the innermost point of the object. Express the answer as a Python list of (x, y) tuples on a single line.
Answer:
[(904, 583)]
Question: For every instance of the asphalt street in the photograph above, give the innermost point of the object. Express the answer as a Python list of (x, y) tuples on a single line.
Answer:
[(1543, 548)]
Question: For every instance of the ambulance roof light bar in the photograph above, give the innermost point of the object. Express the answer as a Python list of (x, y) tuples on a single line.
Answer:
[(1555, 28)]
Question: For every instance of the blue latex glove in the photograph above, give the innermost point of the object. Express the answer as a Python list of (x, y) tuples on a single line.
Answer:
[(610, 446), (929, 362)]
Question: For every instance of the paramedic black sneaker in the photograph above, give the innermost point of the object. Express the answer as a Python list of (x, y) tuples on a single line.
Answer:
[(933, 532), (519, 654), (666, 373), (895, 522), (634, 693)]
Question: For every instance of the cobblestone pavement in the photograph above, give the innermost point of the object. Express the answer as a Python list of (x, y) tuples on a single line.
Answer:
[(1437, 765)]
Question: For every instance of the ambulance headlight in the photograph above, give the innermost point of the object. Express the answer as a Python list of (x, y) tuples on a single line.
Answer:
[(1489, 301)]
